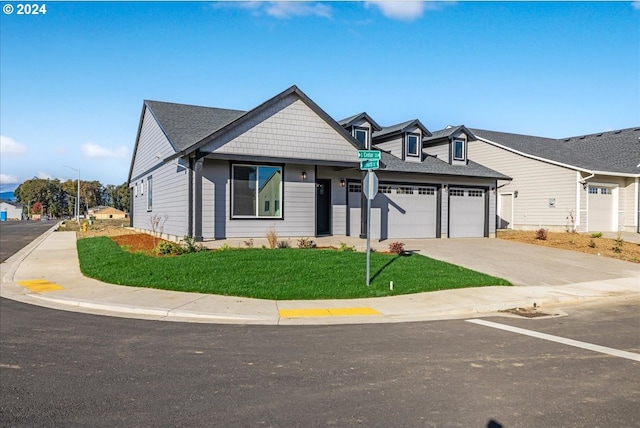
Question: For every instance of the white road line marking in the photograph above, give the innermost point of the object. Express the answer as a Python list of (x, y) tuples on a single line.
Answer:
[(558, 339)]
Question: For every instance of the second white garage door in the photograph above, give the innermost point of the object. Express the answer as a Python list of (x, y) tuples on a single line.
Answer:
[(397, 212), (466, 213)]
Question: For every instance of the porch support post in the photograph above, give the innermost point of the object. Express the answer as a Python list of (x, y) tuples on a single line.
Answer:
[(199, 161), (190, 202)]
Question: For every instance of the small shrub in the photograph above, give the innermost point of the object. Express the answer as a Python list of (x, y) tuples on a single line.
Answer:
[(596, 235), (189, 245), (272, 237), (304, 243), (224, 247), (570, 227), (346, 248), (166, 248), (592, 243), (541, 234), (396, 248), (617, 247), (249, 243), (283, 244)]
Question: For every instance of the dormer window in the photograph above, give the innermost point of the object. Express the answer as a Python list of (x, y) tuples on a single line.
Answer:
[(458, 149), (413, 144), (362, 135)]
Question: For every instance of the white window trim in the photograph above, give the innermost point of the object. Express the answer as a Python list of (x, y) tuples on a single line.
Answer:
[(453, 155), (417, 136), (149, 193), (366, 137)]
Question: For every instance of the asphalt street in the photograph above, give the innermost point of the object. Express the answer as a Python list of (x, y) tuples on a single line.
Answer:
[(17, 234), (60, 368)]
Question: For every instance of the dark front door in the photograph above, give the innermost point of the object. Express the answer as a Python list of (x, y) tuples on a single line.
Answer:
[(323, 207)]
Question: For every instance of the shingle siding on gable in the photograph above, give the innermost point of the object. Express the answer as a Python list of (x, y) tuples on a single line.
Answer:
[(539, 181), (288, 129)]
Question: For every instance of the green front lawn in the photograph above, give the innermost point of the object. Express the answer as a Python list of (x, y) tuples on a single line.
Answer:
[(279, 274)]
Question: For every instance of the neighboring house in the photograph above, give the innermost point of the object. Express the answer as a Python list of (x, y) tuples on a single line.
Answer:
[(589, 182), (105, 213), (10, 211), (215, 173)]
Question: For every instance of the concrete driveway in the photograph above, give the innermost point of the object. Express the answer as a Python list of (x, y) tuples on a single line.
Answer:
[(523, 264)]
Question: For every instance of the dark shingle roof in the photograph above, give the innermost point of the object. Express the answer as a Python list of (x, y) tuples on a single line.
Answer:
[(448, 132), (612, 151), (348, 121), (400, 127), (433, 165), (185, 125)]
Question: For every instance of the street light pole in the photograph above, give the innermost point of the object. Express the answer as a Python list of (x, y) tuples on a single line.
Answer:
[(77, 196)]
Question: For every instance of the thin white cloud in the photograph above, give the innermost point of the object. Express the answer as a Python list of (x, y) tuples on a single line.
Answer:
[(284, 10), (406, 10), (60, 150), (10, 147), (8, 179), (279, 9), (92, 150), (636, 5)]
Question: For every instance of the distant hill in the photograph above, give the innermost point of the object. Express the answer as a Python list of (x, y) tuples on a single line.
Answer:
[(7, 196)]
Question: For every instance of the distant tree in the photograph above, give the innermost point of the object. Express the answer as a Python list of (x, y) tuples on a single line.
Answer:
[(36, 208)]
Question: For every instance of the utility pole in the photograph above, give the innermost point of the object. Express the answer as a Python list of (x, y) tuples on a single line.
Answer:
[(78, 195)]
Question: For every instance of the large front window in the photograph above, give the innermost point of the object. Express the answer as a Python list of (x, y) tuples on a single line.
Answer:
[(256, 191)]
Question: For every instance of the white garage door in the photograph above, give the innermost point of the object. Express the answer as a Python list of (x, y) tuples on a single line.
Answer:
[(600, 217), (466, 213), (397, 212)]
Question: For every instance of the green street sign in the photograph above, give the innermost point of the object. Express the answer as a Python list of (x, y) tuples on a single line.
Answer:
[(369, 164), (369, 154)]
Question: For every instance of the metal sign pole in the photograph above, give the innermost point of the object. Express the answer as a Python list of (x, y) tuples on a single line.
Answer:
[(368, 233)]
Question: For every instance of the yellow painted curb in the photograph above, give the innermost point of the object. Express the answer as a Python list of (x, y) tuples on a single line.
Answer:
[(326, 312), (40, 285)]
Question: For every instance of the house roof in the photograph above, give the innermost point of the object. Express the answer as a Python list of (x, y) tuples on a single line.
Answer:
[(347, 122), (612, 151), (400, 128), (106, 210), (185, 125), (224, 124), (433, 165), (448, 132)]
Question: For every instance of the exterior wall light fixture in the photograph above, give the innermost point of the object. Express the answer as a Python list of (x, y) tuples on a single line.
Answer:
[(342, 182), (304, 175)]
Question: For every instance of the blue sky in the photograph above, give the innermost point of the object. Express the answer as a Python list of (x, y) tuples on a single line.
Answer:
[(72, 81)]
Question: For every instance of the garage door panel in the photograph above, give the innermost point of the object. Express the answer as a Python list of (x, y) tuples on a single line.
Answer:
[(466, 213), (600, 214), (400, 211)]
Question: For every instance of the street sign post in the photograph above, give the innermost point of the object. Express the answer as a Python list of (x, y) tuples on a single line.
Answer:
[(370, 189), (369, 159), (369, 164)]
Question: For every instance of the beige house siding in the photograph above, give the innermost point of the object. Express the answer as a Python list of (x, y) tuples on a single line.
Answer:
[(539, 185), (392, 146), (441, 151)]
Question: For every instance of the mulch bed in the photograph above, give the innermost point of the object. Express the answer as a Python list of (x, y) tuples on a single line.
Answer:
[(136, 242)]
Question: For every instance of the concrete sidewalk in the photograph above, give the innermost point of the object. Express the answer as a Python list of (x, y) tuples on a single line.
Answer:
[(49, 270)]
